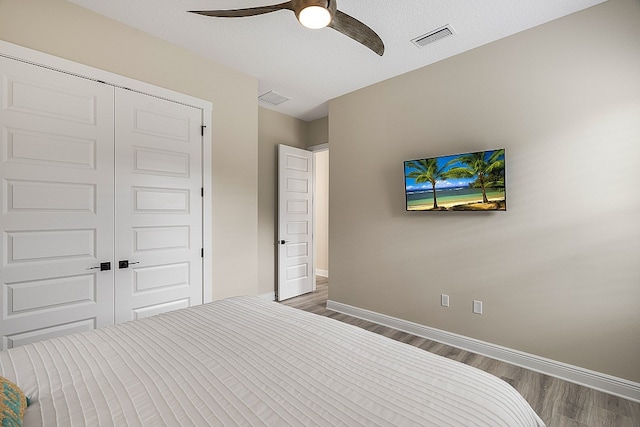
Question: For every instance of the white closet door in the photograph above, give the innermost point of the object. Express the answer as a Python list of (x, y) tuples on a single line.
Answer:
[(56, 223), (158, 204)]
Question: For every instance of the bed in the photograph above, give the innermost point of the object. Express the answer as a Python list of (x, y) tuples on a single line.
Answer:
[(250, 362)]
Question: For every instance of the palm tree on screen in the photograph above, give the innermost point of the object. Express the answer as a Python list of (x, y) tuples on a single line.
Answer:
[(486, 166), (426, 170)]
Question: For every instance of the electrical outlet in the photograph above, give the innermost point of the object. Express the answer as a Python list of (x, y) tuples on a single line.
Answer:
[(444, 300), (477, 307)]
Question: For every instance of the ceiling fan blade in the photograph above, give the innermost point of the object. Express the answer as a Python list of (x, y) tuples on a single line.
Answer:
[(251, 11), (358, 31)]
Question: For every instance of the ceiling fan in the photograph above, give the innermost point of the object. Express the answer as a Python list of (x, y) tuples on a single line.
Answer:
[(312, 14)]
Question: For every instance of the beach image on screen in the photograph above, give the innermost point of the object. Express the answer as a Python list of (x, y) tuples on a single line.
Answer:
[(470, 181)]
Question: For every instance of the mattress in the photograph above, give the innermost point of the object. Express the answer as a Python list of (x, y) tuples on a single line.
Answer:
[(250, 362)]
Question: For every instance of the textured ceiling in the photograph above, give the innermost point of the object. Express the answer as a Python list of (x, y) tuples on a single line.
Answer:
[(313, 66)]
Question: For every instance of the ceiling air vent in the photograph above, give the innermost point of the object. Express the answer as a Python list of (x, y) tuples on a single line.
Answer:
[(433, 36), (273, 98)]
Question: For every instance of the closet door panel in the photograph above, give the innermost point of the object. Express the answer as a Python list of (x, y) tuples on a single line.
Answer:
[(159, 206), (56, 222)]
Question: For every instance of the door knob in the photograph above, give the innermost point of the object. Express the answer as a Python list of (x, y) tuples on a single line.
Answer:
[(282, 242), (104, 266), (125, 263)]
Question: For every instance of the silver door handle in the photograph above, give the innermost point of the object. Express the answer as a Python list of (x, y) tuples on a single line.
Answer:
[(104, 266), (125, 263)]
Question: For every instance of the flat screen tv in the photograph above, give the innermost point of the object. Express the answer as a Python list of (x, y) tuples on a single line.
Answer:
[(459, 182)]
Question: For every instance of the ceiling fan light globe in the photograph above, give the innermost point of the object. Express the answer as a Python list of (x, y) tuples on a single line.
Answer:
[(314, 17)]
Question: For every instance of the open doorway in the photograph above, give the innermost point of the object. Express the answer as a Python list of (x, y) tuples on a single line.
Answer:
[(321, 213)]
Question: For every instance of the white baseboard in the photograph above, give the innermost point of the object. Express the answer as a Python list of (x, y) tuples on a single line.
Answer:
[(575, 374), (322, 273), (271, 296)]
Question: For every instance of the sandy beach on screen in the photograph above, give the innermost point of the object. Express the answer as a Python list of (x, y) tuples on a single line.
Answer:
[(474, 205)]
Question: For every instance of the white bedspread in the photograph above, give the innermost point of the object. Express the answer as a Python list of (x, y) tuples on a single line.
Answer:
[(246, 361)]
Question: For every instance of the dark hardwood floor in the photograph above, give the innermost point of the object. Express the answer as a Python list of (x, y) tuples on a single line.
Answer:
[(559, 403)]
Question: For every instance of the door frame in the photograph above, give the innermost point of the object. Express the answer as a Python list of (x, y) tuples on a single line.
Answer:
[(20, 53), (316, 149)]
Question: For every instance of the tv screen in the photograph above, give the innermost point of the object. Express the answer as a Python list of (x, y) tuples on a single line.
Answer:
[(459, 182)]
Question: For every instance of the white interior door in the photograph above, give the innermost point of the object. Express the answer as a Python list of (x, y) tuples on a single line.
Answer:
[(295, 222), (56, 222), (158, 205)]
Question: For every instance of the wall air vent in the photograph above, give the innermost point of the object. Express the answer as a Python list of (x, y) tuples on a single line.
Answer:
[(273, 98), (433, 36)]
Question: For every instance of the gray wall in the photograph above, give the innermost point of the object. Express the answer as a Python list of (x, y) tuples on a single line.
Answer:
[(559, 272), (318, 131)]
